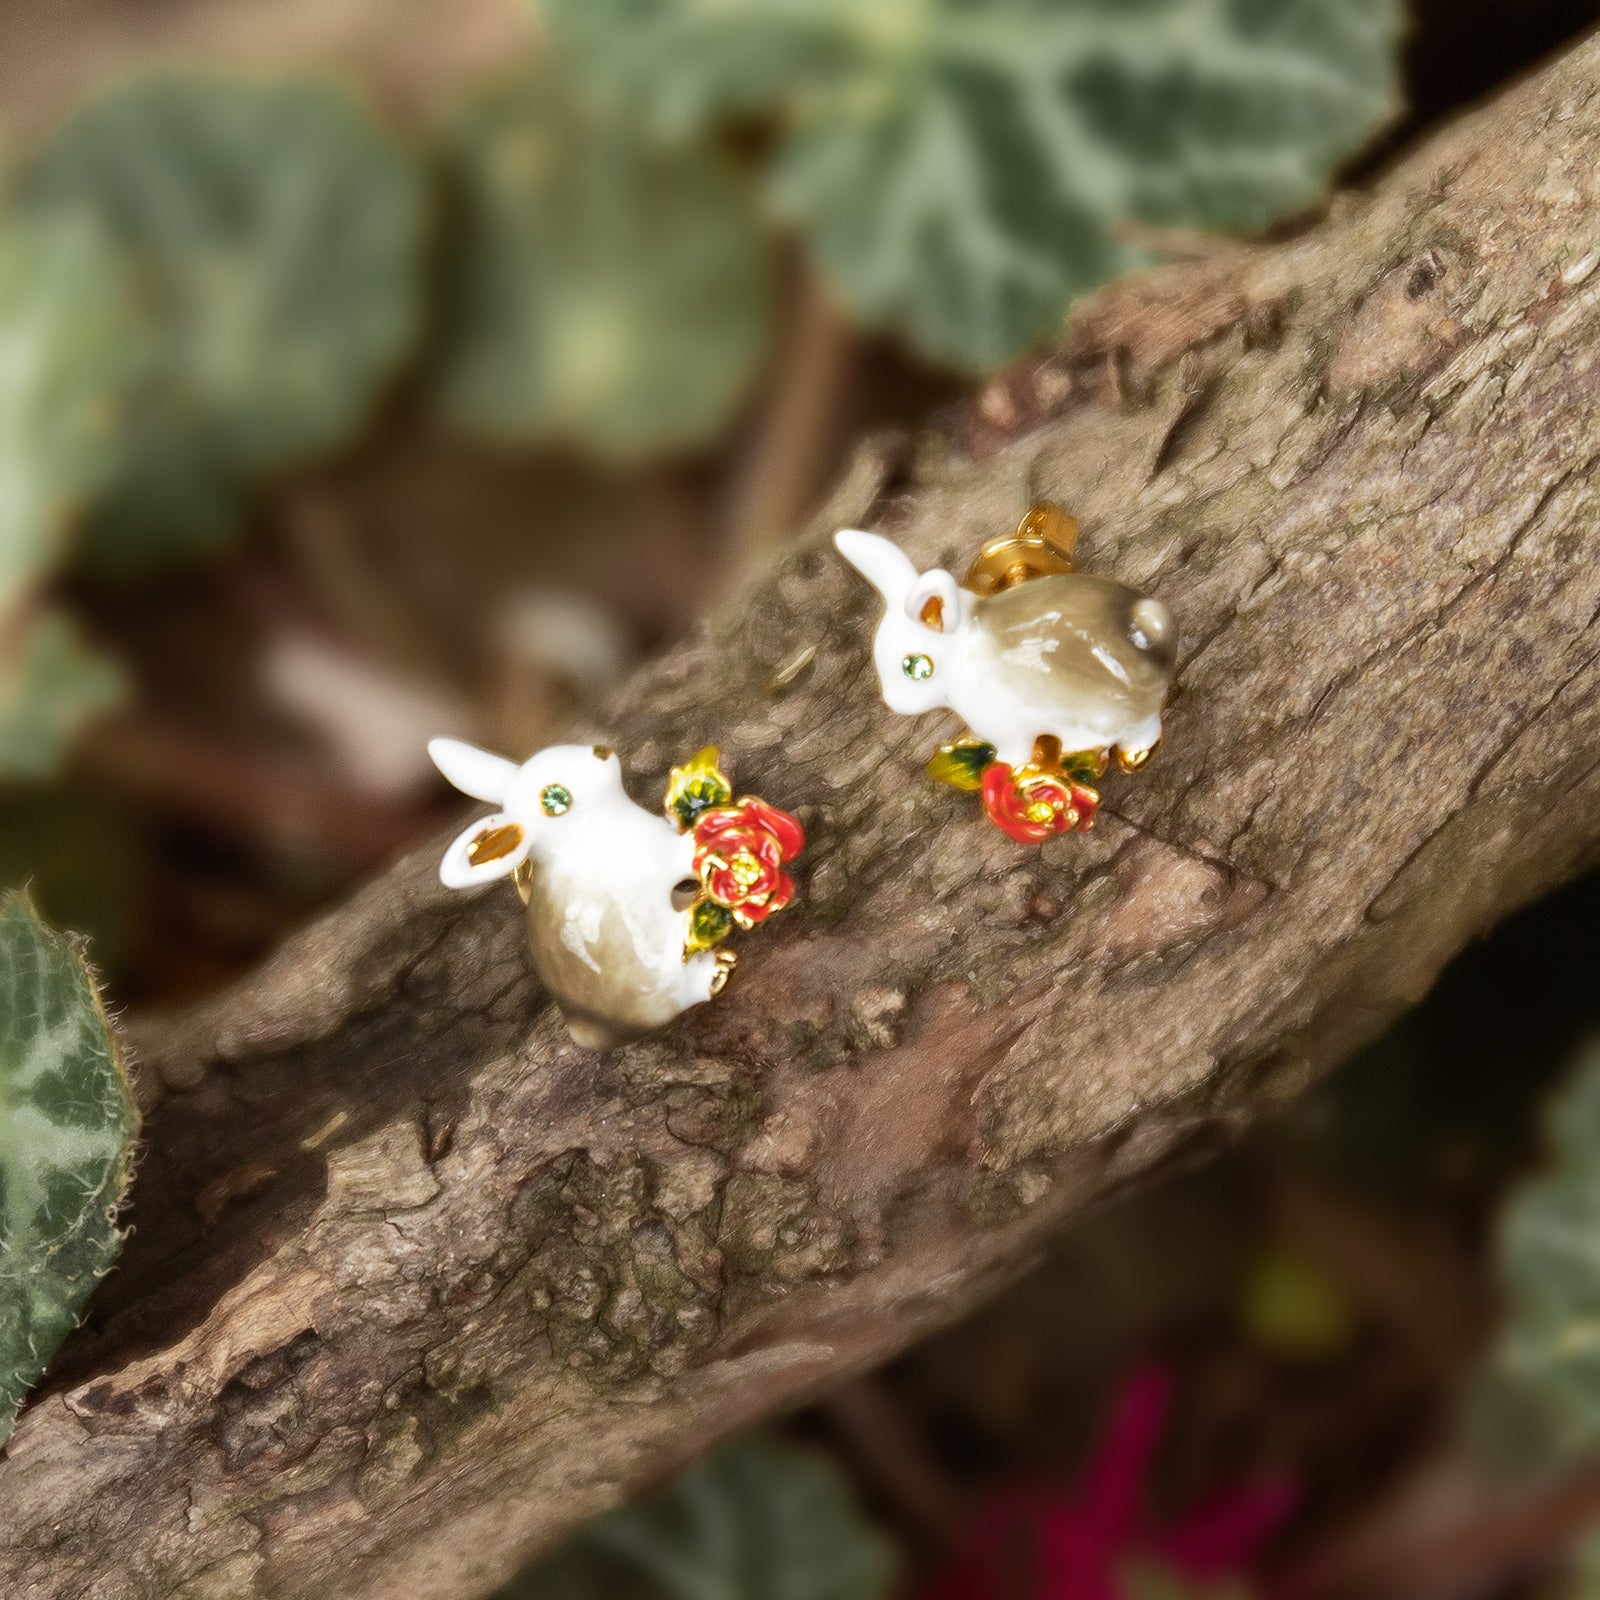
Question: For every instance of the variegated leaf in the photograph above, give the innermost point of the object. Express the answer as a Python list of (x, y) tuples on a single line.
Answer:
[(67, 1125)]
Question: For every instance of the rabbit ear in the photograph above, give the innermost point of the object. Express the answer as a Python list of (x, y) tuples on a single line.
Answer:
[(493, 847), (884, 565), (473, 771), (936, 601)]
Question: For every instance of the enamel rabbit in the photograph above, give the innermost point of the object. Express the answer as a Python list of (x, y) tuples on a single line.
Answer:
[(620, 955), (1081, 659)]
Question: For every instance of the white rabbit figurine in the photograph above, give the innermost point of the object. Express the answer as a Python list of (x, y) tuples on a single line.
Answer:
[(1083, 659), (619, 950), (1056, 672)]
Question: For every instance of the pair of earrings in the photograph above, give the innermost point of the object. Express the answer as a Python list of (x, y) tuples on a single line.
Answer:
[(1057, 674)]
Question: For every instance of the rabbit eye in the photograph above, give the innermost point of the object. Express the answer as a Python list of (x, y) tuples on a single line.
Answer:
[(554, 800), (918, 668)]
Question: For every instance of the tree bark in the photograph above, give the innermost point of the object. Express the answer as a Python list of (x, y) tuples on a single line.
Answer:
[(416, 1285)]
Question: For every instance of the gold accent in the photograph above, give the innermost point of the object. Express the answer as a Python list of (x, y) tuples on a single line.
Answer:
[(933, 613), (726, 961), (1133, 760), (494, 844), (1055, 774), (1041, 547), (522, 878)]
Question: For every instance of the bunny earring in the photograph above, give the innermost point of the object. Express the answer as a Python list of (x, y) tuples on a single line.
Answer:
[(624, 909), (1058, 673)]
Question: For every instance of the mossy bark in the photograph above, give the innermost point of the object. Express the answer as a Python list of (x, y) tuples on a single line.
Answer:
[(416, 1285)]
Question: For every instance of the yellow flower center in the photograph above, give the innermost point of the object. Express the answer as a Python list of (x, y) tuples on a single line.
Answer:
[(1041, 811), (746, 870)]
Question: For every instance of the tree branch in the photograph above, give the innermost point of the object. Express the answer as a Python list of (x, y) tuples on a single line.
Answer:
[(416, 1285)]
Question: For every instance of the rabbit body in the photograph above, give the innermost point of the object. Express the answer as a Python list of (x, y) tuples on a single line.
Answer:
[(605, 937), (600, 871)]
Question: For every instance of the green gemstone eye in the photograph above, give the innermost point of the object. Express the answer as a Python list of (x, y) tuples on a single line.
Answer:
[(917, 668), (554, 800)]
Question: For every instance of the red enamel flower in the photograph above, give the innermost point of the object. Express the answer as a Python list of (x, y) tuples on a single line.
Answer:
[(1031, 804), (739, 854)]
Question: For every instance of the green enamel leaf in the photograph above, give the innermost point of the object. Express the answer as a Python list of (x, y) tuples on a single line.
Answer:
[(274, 233), (962, 170), (1549, 1352), (757, 1521), (67, 1126), (709, 924), (51, 684), (961, 765), (698, 786), (66, 347), (605, 291)]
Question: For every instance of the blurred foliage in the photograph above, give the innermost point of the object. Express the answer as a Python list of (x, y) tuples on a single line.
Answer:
[(52, 683), (756, 1521), (1543, 1391), (97, 893), (67, 1125), (604, 290), (1289, 1305), (65, 345), (1156, 1583), (1583, 1575), (273, 233), (585, 254), (959, 172)]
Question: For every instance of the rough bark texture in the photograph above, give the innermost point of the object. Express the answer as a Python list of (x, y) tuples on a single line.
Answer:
[(416, 1284)]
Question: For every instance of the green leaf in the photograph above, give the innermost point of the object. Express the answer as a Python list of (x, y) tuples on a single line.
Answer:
[(67, 1126), (961, 764), (961, 171), (698, 786), (274, 232), (66, 347), (51, 684), (605, 291), (1549, 1254), (757, 1521), (709, 925)]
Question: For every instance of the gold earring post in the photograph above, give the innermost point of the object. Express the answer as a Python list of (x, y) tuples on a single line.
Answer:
[(1041, 547)]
